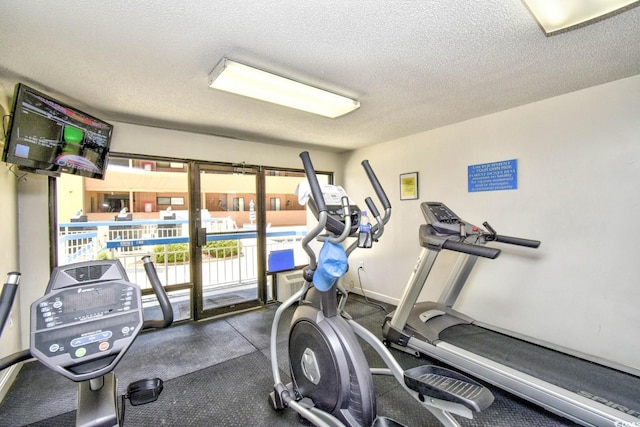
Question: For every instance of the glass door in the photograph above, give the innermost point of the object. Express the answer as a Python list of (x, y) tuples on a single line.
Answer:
[(228, 257)]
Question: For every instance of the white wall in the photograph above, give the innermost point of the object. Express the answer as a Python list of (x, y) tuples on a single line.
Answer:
[(33, 244), (10, 339), (578, 168), (129, 138)]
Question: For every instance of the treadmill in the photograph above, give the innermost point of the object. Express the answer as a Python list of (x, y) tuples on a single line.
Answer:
[(569, 384)]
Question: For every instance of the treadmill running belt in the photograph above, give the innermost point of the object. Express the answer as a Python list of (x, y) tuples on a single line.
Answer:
[(614, 388)]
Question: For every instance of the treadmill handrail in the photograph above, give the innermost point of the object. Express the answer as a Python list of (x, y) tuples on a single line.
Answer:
[(470, 249), (514, 241)]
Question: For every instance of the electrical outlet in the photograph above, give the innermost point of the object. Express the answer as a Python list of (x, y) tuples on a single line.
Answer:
[(362, 264), (351, 284)]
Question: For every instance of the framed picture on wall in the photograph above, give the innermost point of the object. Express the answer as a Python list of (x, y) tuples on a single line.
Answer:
[(409, 186)]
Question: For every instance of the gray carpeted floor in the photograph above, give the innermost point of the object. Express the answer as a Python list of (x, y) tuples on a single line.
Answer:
[(218, 373)]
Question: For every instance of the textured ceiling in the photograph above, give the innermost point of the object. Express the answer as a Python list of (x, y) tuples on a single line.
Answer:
[(414, 65)]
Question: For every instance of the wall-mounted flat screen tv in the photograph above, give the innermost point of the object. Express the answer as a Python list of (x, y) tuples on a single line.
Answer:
[(47, 136)]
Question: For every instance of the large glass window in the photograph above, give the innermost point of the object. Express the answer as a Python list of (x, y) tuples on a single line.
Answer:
[(147, 207), (130, 214)]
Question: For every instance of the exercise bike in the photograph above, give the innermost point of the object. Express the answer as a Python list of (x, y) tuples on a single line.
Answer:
[(332, 383), (82, 327)]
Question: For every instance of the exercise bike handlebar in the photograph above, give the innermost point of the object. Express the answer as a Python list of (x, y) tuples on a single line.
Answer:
[(163, 299), (470, 249), (7, 297), (9, 291)]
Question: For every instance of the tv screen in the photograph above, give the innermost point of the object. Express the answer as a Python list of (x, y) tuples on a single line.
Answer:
[(48, 136)]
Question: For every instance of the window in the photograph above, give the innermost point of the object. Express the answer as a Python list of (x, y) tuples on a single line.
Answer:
[(238, 204), (115, 217), (170, 201)]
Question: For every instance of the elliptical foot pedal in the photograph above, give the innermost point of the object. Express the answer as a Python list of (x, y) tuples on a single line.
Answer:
[(445, 384), (144, 391)]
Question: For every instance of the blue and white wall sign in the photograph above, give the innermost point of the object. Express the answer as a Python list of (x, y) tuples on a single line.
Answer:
[(493, 176)]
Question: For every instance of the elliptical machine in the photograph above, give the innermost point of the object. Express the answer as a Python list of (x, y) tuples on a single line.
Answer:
[(82, 327), (332, 382)]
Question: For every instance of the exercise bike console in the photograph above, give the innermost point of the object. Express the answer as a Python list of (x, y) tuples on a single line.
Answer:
[(87, 319), (84, 324)]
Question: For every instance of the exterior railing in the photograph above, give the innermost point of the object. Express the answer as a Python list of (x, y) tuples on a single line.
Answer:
[(228, 259)]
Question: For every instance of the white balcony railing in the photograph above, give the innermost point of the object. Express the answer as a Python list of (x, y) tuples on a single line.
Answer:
[(228, 259)]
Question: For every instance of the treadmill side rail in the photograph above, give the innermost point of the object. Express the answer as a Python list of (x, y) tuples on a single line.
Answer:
[(555, 399)]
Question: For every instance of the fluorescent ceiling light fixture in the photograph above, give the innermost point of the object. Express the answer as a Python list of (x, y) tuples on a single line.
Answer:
[(243, 80), (557, 15)]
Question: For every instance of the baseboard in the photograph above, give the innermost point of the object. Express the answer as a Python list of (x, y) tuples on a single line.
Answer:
[(375, 296), (7, 378)]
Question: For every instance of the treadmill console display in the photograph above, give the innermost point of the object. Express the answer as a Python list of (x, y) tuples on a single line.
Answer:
[(444, 221), (438, 212), (82, 331)]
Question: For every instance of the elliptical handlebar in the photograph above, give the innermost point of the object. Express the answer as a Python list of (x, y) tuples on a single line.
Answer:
[(372, 207), (378, 229), (376, 185), (347, 223), (316, 193), (323, 212), (313, 181)]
